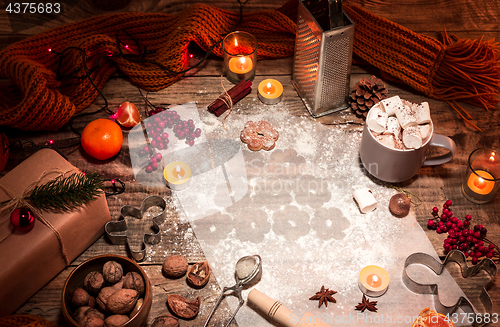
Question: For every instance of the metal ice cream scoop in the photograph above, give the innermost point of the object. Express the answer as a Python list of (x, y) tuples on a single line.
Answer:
[(248, 269)]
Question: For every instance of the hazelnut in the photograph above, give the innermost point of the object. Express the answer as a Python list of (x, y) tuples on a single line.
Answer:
[(165, 321), (93, 282), (399, 205), (116, 320), (112, 272), (134, 281), (175, 266), (81, 298), (122, 301), (103, 297)]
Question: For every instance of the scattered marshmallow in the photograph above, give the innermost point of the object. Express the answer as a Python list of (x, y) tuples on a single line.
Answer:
[(390, 105), (412, 138), (365, 200), (377, 119)]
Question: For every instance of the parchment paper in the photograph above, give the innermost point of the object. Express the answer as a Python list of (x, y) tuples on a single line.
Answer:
[(299, 216)]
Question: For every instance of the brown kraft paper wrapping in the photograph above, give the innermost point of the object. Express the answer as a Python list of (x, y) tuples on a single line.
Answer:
[(30, 260)]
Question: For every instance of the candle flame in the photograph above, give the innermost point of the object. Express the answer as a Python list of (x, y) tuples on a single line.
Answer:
[(235, 42), (178, 170), (492, 157)]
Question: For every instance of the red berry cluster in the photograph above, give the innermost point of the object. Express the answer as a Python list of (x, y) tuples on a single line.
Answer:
[(154, 111), (153, 160), (472, 242), (171, 119)]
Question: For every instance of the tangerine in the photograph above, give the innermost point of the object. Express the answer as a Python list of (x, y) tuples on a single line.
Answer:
[(102, 138), (127, 115), (430, 318)]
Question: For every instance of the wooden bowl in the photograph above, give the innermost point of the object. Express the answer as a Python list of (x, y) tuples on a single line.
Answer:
[(76, 277)]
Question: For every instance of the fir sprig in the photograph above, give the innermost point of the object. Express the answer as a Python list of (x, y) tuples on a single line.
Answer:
[(67, 193)]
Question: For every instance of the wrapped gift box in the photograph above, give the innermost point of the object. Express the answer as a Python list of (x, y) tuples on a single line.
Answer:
[(30, 260)]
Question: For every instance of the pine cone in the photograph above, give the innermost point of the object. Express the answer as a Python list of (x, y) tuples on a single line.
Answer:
[(367, 92)]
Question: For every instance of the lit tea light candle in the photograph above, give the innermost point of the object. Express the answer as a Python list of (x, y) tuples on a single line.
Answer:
[(270, 91), (373, 281), (177, 174), (240, 65), (481, 182)]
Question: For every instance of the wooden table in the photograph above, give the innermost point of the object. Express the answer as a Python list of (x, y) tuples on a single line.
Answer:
[(465, 18)]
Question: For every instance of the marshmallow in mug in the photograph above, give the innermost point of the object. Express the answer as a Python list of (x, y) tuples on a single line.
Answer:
[(377, 119), (390, 105), (402, 115)]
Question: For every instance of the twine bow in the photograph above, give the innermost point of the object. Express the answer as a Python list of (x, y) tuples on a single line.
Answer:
[(22, 200), (228, 101)]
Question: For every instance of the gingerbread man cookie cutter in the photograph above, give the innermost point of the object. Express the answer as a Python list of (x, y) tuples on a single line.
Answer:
[(117, 230), (486, 265)]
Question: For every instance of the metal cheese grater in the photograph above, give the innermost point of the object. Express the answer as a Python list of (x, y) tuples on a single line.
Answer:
[(322, 63)]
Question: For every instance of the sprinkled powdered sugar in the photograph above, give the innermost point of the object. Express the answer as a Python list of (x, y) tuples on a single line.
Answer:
[(299, 216)]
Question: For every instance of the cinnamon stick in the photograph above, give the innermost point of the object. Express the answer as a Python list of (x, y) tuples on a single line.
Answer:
[(236, 93), (237, 98)]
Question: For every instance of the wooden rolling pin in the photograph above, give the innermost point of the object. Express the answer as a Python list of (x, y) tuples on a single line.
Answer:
[(279, 313)]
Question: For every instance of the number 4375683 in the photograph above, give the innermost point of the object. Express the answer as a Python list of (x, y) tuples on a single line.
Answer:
[(33, 8)]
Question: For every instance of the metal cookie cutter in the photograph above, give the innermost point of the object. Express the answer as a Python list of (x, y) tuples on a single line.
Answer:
[(117, 230), (458, 257)]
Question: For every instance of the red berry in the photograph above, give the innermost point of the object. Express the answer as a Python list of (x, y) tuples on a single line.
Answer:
[(149, 168), (474, 260), (430, 223), (449, 203), (468, 217), (492, 246)]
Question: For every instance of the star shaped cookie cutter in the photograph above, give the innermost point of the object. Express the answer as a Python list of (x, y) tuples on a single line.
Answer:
[(437, 267), (117, 230)]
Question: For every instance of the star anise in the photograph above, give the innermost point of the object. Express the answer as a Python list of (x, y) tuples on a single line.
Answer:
[(324, 296), (367, 305)]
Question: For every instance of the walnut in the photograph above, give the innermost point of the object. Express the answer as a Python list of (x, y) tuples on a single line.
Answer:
[(175, 266), (88, 317), (103, 297), (118, 285), (82, 298), (134, 281), (93, 282), (199, 274), (116, 320), (122, 301), (165, 321), (112, 272), (183, 308)]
